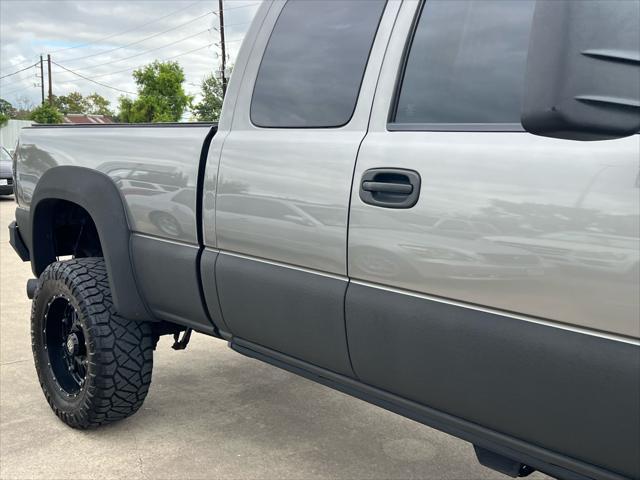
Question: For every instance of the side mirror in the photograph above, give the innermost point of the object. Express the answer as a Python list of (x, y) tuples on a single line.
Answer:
[(583, 70)]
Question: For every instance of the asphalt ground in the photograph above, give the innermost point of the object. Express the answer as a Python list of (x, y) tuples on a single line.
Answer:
[(211, 413)]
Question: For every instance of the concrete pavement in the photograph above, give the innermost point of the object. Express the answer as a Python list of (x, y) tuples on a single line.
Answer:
[(211, 413)]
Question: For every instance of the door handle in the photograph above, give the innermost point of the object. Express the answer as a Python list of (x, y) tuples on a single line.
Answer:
[(390, 187), (384, 187)]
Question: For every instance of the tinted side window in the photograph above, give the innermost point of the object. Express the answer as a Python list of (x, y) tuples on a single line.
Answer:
[(313, 65), (466, 63)]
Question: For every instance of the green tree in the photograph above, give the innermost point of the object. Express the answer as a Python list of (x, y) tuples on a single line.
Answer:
[(98, 105), (161, 96), (124, 110), (74, 102), (46, 113), (209, 108), (7, 109)]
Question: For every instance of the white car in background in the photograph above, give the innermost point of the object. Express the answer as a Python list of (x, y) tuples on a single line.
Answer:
[(6, 173)]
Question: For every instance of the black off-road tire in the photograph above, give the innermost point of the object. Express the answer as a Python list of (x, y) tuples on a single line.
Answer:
[(118, 353)]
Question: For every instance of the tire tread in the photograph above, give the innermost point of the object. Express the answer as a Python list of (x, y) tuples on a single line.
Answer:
[(120, 350)]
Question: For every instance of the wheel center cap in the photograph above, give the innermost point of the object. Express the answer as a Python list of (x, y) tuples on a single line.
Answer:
[(72, 343)]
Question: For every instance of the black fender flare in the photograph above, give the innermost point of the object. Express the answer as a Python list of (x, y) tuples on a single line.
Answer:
[(100, 197)]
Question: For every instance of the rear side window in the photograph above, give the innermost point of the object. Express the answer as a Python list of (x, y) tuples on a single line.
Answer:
[(314, 63), (466, 63)]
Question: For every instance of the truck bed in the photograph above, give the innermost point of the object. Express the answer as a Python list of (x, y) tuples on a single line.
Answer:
[(155, 167)]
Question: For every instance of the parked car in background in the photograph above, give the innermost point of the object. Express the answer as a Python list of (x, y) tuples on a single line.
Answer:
[(6, 172), (373, 212), (592, 253)]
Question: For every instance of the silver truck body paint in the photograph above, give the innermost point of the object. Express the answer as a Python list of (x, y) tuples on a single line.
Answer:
[(155, 169), (508, 220)]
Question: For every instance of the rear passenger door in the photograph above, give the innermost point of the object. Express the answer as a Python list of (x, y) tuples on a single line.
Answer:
[(285, 176), (483, 280)]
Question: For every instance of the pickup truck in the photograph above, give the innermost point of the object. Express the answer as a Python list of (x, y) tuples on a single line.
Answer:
[(432, 206)]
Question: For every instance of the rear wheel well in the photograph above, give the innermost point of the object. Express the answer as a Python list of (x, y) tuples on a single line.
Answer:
[(62, 228), (68, 197)]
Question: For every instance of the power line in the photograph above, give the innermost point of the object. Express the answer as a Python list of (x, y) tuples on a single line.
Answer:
[(20, 79), (129, 30), (18, 71), (17, 65), (161, 60), (73, 72), (186, 53), (68, 60), (142, 25), (117, 71), (11, 92), (90, 67), (233, 41), (122, 32), (226, 26), (38, 85), (152, 36), (240, 6), (91, 80)]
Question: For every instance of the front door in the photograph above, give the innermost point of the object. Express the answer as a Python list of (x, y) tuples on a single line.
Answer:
[(494, 273)]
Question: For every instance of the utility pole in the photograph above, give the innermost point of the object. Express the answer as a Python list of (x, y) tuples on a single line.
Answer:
[(49, 72), (42, 78), (222, 47)]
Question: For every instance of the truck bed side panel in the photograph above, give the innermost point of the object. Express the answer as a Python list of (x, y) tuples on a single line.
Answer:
[(154, 167)]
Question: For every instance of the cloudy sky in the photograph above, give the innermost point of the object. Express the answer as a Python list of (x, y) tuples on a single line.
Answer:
[(105, 40)]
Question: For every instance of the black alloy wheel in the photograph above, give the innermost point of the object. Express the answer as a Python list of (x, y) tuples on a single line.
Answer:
[(64, 341)]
